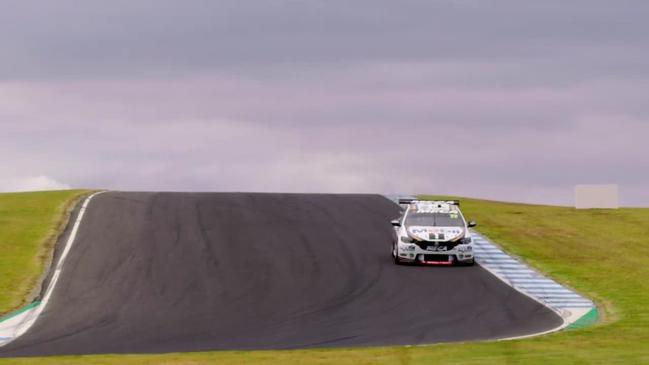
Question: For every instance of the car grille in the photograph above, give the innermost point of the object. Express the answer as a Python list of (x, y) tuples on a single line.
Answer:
[(449, 245), (436, 258)]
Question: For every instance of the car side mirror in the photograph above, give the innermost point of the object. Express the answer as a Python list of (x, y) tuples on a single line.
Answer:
[(396, 223), (472, 224)]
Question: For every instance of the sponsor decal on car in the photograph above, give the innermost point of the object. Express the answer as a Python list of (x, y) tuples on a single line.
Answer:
[(435, 233)]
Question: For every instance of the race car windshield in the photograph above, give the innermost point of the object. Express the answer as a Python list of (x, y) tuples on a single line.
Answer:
[(434, 220)]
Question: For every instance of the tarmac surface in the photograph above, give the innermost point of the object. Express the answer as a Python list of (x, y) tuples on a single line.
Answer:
[(173, 272)]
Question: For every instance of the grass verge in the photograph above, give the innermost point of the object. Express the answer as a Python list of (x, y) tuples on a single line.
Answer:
[(29, 226), (602, 254)]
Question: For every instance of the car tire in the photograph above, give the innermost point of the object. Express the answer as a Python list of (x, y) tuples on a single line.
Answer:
[(465, 263), (395, 255)]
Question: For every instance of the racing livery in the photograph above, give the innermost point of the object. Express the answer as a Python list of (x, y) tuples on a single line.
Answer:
[(432, 232)]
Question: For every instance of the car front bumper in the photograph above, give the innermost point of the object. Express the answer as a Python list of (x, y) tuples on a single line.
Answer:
[(414, 253)]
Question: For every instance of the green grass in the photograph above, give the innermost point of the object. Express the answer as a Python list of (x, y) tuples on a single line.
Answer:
[(603, 254), (29, 225)]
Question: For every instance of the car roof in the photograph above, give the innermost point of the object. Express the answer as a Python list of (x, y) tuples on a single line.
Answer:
[(432, 207)]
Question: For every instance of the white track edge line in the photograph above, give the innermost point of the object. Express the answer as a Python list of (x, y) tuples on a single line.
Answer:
[(563, 325), (558, 310), (31, 318)]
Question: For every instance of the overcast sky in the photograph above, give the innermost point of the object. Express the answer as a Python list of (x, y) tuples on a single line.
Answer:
[(514, 100)]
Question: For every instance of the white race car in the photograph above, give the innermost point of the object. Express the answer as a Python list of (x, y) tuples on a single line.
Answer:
[(432, 232)]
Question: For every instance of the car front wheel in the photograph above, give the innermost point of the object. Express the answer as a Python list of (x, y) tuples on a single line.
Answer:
[(465, 263), (395, 254)]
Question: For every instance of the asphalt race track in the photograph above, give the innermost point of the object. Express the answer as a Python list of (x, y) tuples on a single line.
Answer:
[(168, 272)]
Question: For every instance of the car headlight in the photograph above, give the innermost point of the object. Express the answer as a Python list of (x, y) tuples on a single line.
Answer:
[(466, 240), (407, 240)]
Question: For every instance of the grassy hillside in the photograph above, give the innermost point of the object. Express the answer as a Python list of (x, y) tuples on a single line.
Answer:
[(29, 223), (603, 254)]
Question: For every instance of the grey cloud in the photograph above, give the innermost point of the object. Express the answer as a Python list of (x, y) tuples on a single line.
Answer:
[(181, 135), (135, 37), (496, 99)]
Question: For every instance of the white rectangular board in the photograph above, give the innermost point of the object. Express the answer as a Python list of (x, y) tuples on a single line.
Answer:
[(596, 196)]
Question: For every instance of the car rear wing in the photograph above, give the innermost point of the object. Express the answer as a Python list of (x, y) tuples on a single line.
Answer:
[(410, 200), (406, 201)]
